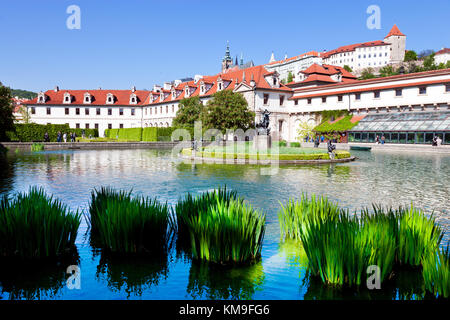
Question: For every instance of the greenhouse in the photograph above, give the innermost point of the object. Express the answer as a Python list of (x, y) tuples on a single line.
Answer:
[(412, 128)]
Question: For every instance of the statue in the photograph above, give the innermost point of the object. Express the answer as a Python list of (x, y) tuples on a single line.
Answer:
[(263, 126)]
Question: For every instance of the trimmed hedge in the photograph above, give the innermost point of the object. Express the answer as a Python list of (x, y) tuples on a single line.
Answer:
[(220, 155), (339, 126), (141, 134), (35, 132)]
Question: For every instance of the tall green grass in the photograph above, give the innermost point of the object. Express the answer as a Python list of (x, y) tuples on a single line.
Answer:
[(436, 273), (190, 206), (34, 225), (227, 232), (341, 246), (122, 224), (37, 147)]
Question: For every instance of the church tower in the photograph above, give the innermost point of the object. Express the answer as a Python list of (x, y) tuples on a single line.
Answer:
[(398, 44), (227, 61)]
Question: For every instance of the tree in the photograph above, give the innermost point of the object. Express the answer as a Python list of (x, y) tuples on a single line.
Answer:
[(410, 56), (347, 68), (387, 71), (290, 77), (367, 74), (227, 110), (188, 112), (305, 129), (428, 63), (26, 117), (425, 53), (6, 112)]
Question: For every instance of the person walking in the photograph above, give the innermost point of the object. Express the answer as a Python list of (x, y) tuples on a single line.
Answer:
[(58, 137), (317, 142), (65, 137), (434, 142), (377, 140), (46, 137), (438, 141), (383, 139)]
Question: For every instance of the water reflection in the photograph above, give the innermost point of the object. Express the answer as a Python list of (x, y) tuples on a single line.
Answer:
[(132, 275), (6, 173), (208, 281)]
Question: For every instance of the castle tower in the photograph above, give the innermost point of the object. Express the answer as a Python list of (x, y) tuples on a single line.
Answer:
[(398, 44), (227, 61)]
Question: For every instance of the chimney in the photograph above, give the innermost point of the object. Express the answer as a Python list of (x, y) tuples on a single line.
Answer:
[(167, 85), (56, 88), (133, 89)]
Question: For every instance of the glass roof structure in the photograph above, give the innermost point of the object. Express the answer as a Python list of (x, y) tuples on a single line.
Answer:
[(408, 121)]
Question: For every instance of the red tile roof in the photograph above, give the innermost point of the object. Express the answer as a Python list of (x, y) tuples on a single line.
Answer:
[(310, 53), (395, 31), (352, 47), (445, 50), (98, 97)]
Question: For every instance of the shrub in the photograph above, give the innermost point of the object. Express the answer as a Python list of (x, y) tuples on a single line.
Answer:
[(227, 232), (150, 134), (37, 147), (130, 134), (125, 225), (295, 145), (34, 225)]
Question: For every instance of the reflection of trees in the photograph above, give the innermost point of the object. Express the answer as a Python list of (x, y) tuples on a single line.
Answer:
[(133, 275), (6, 172), (36, 279), (209, 281)]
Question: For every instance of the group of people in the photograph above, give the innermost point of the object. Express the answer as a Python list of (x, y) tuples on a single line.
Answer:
[(379, 140), (437, 141), (60, 137)]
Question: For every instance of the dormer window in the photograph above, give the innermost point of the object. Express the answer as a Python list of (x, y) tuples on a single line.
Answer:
[(186, 91), (109, 98), (219, 86), (87, 98), (161, 96), (67, 98), (41, 97), (173, 94), (274, 81), (133, 99)]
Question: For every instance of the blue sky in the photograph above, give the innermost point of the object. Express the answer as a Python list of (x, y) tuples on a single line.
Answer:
[(137, 42)]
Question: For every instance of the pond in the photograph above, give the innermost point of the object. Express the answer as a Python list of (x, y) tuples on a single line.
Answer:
[(388, 178)]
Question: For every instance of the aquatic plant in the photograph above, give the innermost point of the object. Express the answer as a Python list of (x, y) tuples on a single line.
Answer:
[(227, 232), (190, 206), (37, 147), (292, 216), (436, 273), (34, 225), (125, 225)]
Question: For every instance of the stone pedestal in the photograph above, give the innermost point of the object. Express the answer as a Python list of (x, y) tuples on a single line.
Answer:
[(262, 142)]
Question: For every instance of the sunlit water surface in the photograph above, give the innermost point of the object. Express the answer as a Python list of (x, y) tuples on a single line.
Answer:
[(390, 179)]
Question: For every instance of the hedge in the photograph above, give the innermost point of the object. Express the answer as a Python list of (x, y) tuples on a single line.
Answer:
[(339, 126), (35, 132), (141, 134)]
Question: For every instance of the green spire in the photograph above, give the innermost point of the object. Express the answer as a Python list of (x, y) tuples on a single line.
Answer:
[(227, 53)]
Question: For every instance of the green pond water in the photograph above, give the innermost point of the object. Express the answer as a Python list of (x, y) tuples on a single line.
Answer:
[(388, 178)]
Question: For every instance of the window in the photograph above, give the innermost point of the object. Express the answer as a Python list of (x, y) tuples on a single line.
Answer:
[(77, 111), (358, 96), (121, 111), (309, 100), (156, 110), (296, 102), (324, 99), (133, 111), (422, 90), (98, 111), (77, 125), (66, 111), (151, 110), (376, 94), (173, 108), (340, 98), (447, 87), (96, 126), (109, 126), (33, 110), (266, 98), (281, 100), (160, 109), (121, 126), (109, 112), (49, 111), (86, 111), (87, 125), (167, 109), (398, 92)]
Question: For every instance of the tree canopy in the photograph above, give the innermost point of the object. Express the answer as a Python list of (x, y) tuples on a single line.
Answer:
[(410, 56), (6, 112), (227, 110), (367, 74), (188, 112)]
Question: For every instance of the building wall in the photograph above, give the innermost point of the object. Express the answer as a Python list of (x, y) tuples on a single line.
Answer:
[(361, 58), (442, 58), (398, 47)]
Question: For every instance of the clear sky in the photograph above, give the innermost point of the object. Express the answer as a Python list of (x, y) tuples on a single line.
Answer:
[(140, 43)]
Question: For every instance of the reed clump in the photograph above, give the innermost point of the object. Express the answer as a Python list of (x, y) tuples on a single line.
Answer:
[(436, 273), (227, 232), (33, 225), (189, 207), (340, 247), (122, 224)]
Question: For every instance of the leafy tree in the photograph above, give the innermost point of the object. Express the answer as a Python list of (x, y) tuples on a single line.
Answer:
[(26, 117), (347, 68), (290, 77), (227, 110), (367, 74), (410, 56), (305, 129), (6, 112), (428, 63), (387, 71), (188, 112)]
